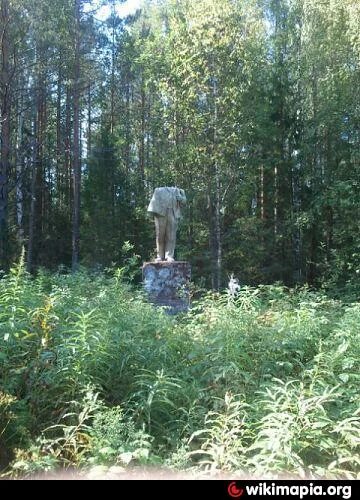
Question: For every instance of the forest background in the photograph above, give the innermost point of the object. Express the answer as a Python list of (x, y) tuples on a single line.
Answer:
[(251, 106)]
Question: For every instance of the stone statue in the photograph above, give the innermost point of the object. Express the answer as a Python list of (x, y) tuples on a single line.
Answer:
[(165, 206)]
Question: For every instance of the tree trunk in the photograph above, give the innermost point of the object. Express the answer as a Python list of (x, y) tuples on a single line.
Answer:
[(89, 118), (76, 159), (217, 229), (19, 176), (329, 232), (262, 193), (67, 181), (296, 208), (142, 135), (113, 58), (30, 252), (128, 123), (36, 216), (59, 139), (5, 131), (276, 201), (43, 206), (217, 214)]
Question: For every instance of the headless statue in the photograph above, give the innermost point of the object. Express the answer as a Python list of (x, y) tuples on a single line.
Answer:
[(165, 206)]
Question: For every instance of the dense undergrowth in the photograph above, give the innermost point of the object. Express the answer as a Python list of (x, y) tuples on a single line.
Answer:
[(91, 376)]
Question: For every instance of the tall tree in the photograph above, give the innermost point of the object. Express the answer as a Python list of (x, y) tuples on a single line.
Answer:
[(5, 109), (77, 150)]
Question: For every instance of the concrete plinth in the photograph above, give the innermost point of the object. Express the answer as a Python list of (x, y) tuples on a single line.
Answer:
[(167, 284)]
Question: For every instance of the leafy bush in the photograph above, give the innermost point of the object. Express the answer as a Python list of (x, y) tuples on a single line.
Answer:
[(91, 375)]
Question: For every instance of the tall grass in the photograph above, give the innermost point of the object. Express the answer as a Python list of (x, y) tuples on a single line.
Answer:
[(93, 376)]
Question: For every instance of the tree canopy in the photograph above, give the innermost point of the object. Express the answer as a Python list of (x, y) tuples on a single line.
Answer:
[(251, 106)]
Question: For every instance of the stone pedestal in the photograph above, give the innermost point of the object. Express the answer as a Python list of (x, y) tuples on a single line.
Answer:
[(167, 284)]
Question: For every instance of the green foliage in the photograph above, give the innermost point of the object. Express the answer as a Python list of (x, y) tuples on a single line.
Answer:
[(224, 440), (251, 106), (93, 377), (115, 439)]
